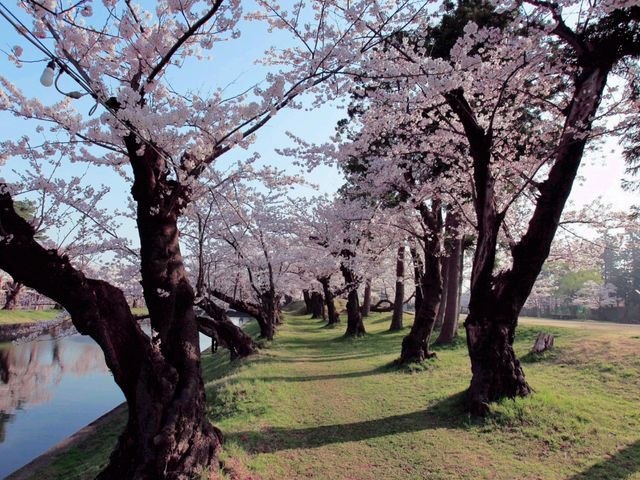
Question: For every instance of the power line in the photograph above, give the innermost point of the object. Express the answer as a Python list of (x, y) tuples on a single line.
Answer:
[(22, 30)]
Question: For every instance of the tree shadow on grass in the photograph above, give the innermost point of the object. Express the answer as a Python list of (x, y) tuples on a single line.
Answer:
[(446, 413), (318, 358), (332, 376), (619, 466)]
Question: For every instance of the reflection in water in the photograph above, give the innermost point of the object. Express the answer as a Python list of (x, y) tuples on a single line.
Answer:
[(50, 387), (29, 371), (4, 417)]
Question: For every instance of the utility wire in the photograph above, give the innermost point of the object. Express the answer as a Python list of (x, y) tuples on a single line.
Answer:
[(22, 30)]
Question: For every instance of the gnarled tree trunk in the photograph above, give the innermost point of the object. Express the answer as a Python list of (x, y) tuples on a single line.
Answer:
[(496, 300), (355, 326), (415, 346), (13, 293), (317, 306), (329, 299), (270, 303), (167, 434), (223, 332)]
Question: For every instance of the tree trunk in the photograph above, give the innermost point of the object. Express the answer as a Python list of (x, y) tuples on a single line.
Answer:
[(13, 293), (186, 441), (415, 346), (355, 326), (270, 303), (398, 303), (496, 370), (307, 301), (444, 268), (496, 301), (329, 299), (267, 328), (544, 342), (167, 434), (317, 306), (223, 332), (417, 277), (452, 284), (366, 301)]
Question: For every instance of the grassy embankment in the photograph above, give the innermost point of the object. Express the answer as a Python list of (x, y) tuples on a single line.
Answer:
[(26, 316), (317, 406), (33, 316)]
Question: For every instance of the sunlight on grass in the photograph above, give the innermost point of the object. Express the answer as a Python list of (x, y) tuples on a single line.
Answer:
[(316, 405), (26, 316)]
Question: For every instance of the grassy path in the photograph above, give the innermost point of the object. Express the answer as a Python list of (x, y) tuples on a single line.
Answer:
[(317, 406), (609, 327)]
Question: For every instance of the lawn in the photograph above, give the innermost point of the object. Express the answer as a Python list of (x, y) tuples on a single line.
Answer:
[(26, 316), (314, 405)]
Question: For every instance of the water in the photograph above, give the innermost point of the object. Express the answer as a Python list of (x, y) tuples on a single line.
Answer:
[(51, 387)]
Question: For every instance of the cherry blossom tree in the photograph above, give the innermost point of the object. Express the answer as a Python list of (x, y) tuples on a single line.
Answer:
[(244, 246), (581, 73), (595, 296), (160, 138), (494, 83), (506, 108)]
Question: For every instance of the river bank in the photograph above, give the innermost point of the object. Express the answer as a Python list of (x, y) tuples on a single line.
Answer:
[(15, 331), (100, 430), (54, 386), (315, 405)]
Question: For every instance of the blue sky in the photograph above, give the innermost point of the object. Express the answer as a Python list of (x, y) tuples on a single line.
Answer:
[(233, 64)]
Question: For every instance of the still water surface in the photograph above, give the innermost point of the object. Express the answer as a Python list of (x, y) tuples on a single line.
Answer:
[(51, 387)]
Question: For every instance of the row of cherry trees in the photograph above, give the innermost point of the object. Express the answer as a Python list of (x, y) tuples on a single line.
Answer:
[(487, 116), (467, 125)]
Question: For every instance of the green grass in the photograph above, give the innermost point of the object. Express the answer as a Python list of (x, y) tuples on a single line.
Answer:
[(140, 311), (86, 460), (32, 316), (26, 316), (315, 405)]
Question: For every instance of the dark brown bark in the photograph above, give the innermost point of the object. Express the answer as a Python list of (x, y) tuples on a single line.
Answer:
[(415, 346), (495, 368), (167, 434), (187, 441), (366, 299), (333, 318), (266, 324), (13, 293), (417, 277), (270, 303), (444, 268), (355, 326), (317, 306), (223, 332), (398, 303), (307, 301)]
